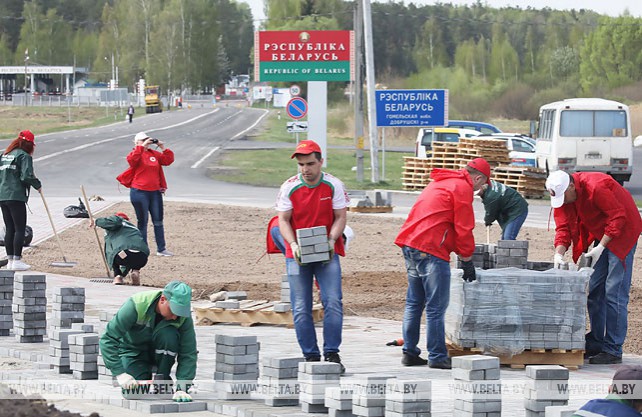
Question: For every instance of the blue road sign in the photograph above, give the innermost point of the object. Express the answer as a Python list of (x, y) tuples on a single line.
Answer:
[(411, 108), (297, 108)]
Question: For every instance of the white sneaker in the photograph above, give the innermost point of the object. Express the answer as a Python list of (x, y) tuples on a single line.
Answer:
[(164, 253), (10, 264), (18, 265)]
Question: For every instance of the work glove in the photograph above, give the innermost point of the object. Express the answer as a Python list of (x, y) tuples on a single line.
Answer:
[(558, 261), (126, 381), (595, 253), (182, 397), (296, 252), (469, 271)]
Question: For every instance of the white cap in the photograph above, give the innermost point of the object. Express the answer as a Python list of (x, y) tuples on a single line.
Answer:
[(556, 184), (348, 235), (140, 136)]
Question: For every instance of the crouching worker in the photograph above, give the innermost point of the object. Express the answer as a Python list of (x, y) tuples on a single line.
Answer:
[(624, 399), (125, 248), (151, 331)]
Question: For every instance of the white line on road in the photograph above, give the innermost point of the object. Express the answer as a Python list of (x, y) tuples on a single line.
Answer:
[(251, 127), (197, 163), (88, 145)]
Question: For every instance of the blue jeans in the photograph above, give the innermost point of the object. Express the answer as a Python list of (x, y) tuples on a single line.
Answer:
[(608, 300), (301, 279), (511, 229), (429, 287), (149, 202), (277, 237)]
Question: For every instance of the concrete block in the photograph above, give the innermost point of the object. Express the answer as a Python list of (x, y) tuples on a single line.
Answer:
[(560, 411), (475, 362), (546, 372)]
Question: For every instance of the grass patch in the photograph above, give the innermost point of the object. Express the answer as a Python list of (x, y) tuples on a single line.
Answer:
[(42, 120), (269, 168)]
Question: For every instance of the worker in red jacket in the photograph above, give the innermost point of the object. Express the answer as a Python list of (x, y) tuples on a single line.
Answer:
[(591, 207), (440, 222)]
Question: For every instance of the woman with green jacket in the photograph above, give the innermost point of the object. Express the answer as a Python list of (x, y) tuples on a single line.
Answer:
[(16, 179)]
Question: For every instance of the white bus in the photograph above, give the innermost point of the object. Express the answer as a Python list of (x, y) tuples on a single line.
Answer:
[(585, 134)]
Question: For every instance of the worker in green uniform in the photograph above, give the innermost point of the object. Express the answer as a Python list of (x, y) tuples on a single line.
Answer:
[(125, 248), (153, 329), (507, 206)]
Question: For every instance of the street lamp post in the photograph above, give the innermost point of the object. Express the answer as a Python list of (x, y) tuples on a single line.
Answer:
[(26, 62)]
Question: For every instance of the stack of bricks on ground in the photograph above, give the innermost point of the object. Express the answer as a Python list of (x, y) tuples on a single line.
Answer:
[(408, 398), (474, 371), (313, 244), (314, 378), (68, 307), (369, 397), (506, 254), (232, 299), (338, 401), (278, 381), (542, 388), (83, 355), (237, 359), (29, 307), (6, 296), (509, 310), (59, 353)]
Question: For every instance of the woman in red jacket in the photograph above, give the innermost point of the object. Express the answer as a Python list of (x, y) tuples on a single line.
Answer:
[(149, 185)]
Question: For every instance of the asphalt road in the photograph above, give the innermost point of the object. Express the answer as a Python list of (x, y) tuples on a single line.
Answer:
[(94, 157)]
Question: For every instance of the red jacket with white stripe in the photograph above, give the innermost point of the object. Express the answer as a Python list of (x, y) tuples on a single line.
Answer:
[(148, 168), (442, 219), (602, 207)]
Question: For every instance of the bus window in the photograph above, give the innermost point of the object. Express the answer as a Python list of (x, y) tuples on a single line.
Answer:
[(593, 123)]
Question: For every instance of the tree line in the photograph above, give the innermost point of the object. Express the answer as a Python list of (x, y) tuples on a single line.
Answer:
[(487, 57)]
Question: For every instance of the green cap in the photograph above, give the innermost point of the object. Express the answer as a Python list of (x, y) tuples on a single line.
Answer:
[(179, 296)]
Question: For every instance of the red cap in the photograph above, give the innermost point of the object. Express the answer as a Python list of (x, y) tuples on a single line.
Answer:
[(27, 135), (482, 166), (123, 215), (306, 147)]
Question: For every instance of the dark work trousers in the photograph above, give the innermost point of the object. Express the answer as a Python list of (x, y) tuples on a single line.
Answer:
[(161, 354), (132, 260), (14, 214)]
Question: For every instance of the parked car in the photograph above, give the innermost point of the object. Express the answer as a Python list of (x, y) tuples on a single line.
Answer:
[(521, 148), (481, 127), (426, 135)]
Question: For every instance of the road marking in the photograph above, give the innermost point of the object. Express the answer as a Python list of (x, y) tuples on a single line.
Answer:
[(197, 163), (100, 142), (251, 127)]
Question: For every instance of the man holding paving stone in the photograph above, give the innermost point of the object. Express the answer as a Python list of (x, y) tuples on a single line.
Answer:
[(311, 207)]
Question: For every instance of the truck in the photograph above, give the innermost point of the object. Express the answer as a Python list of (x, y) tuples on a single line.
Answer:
[(585, 134), (153, 102)]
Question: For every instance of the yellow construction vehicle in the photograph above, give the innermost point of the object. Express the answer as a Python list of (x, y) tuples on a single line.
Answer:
[(153, 102)]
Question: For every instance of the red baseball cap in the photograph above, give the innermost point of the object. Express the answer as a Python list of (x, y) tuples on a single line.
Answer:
[(306, 147), (123, 215), (27, 135), (482, 166)]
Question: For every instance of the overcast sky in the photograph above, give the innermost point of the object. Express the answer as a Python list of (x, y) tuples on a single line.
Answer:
[(611, 7)]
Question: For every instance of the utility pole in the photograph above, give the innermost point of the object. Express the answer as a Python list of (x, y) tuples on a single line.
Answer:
[(358, 87), (370, 79), (26, 61)]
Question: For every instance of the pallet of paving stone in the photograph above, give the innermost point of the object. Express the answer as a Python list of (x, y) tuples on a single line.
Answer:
[(571, 359), (250, 313), (371, 209)]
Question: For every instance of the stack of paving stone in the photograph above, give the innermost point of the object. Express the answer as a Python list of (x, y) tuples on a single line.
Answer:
[(104, 374), (338, 401), (6, 295), (474, 373), (29, 307), (510, 253), (59, 348), (83, 355), (560, 411), (543, 388), (509, 310), (237, 359), (68, 307), (278, 382), (369, 397), (313, 243), (314, 378), (408, 398), (482, 256), (284, 306), (232, 300)]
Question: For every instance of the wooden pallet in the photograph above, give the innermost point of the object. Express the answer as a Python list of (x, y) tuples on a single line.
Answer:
[(371, 209), (249, 313), (571, 359)]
